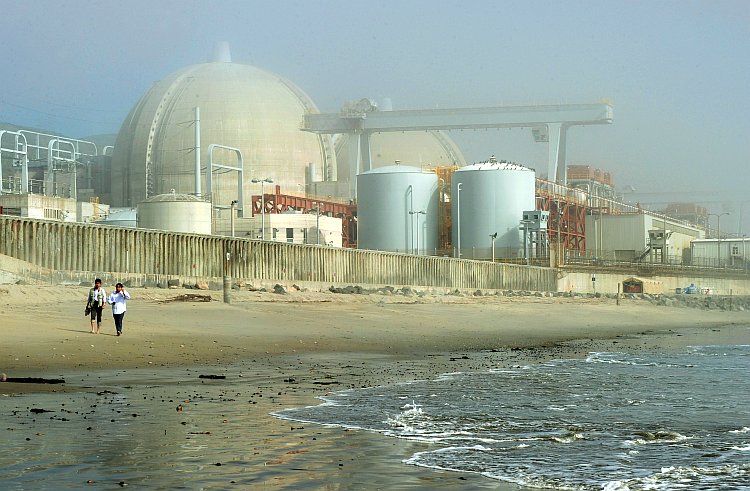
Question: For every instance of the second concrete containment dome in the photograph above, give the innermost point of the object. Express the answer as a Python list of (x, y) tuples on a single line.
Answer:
[(397, 210), (488, 198)]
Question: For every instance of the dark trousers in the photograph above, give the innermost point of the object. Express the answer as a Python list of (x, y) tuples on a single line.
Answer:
[(118, 321)]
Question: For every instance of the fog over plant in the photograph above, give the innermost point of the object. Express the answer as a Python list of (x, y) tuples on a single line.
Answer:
[(677, 73)]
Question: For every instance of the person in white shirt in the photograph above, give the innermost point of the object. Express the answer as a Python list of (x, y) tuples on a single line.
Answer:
[(96, 301), (117, 300)]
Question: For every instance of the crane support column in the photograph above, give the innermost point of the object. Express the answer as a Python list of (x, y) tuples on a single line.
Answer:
[(556, 170), (354, 158), (364, 150)]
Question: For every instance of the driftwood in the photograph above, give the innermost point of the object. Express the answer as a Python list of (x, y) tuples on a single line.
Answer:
[(189, 297), (213, 377), (35, 380)]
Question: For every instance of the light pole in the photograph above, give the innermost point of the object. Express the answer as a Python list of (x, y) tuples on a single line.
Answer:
[(417, 213), (317, 222), (718, 234), (262, 204), (231, 216), (493, 237), (458, 220)]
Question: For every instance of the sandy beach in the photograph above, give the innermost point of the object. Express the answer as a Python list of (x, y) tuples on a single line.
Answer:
[(288, 349)]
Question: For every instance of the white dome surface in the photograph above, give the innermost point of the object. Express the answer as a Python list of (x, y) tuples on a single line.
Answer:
[(241, 106), (411, 148)]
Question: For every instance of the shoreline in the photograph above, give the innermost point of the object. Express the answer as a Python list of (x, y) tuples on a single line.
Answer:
[(282, 351)]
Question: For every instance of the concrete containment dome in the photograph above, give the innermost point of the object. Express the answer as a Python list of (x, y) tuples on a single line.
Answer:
[(175, 213), (418, 148), (241, 106), (397, 210), (492, 199)]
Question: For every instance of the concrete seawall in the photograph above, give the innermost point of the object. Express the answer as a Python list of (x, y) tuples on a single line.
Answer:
[(148, 254), (59, 252)]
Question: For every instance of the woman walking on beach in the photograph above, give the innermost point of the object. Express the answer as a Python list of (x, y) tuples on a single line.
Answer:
[(117, 300), (96, 302)]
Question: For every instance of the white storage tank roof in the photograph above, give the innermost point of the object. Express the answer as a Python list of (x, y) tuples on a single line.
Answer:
[(397, 210), (175, 212)]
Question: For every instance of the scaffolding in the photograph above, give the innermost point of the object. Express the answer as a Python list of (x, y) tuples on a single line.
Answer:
[(445, 221)]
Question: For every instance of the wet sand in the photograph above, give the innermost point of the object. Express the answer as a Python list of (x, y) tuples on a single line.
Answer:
[(289, 349)]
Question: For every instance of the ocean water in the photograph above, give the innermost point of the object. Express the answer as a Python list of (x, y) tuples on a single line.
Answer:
[(611, 421)]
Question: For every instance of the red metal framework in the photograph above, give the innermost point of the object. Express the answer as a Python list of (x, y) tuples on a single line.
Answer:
[(567, 209), (280, 203), (567, 221)]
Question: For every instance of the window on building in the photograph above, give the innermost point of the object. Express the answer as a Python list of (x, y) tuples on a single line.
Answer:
[(290, 235), (735, 250)]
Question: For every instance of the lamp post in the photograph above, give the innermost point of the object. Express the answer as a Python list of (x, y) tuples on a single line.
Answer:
[(317, 222), (262, 204), (417, 213), (718, 234), (458, 220), (231, 216), (664, 249), (493, 237)]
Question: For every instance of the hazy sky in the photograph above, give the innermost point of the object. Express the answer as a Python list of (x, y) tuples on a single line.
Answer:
[(677, 72)]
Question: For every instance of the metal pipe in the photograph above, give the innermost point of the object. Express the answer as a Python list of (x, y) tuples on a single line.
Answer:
[(262, 211), (19, 148), (410, 212), (416, 214), (240, 169), (54, 147)]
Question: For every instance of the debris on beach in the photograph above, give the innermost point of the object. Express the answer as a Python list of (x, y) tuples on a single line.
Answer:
[(213, 377), (34, 380), (189, 297)]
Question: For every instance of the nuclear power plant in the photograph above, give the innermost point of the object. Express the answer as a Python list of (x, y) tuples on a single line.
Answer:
[(228, 149)]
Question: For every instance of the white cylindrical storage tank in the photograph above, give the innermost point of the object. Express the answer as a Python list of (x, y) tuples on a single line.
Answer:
[(175, 213), (397, 210), (491, 199)]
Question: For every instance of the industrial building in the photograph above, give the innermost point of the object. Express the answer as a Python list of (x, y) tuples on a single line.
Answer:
[(731, 252), (640, 237)]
